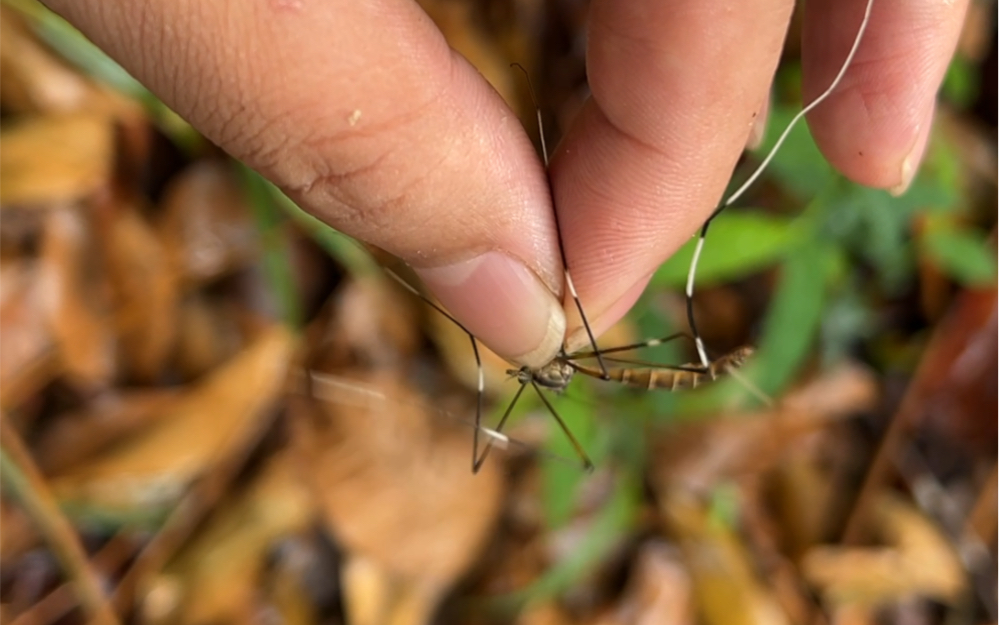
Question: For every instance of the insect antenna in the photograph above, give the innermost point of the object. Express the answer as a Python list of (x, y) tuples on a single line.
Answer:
[(692, 271)]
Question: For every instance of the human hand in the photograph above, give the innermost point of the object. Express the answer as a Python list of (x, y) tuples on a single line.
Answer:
[(361, 112)]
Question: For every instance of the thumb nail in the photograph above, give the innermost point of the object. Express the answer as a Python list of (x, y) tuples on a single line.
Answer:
[(503, 303), (910, 164)]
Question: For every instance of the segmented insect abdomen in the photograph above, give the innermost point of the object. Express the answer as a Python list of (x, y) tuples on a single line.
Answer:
[(653, 379)]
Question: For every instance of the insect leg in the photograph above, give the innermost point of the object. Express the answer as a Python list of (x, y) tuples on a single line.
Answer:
[(692, 271), (587, 463), (477, 460), (481, 383), (558, 230), (625, 348)]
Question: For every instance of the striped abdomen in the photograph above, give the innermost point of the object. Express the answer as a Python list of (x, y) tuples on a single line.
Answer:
[(685, 377)]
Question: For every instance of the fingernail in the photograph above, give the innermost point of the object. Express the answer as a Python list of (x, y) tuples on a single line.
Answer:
[(908, 171), (504, 304), (910, 164)]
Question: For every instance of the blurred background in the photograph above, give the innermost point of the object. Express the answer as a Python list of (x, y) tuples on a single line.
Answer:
[(217, 410)]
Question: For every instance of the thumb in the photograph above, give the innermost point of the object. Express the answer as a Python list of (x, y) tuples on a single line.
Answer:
[(362, 114)]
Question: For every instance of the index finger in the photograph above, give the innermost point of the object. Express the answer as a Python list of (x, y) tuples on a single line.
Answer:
[(676, 89)]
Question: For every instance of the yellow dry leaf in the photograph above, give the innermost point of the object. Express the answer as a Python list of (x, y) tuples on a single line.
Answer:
[(217, 417), (144, 288), (216, 578), (397, 490), (917, 560), (73, 297), (32, 79), (726, 588), (659, 591), (56, 159), (27, 357)]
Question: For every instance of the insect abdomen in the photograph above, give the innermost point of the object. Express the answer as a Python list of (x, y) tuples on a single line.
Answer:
[(653, 379)]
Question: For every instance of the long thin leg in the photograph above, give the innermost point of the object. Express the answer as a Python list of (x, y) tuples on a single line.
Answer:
[(625, 348), (701, 352), (587, 463), (477, 460), (558, 230), (481, 390)]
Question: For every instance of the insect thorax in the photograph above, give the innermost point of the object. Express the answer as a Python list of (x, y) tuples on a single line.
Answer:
[(554, 376)]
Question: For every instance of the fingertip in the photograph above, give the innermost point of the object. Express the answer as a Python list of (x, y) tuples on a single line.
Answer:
[(502, 303), (873, 127), (910, 162)]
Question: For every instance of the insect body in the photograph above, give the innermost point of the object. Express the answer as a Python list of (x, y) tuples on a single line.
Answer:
[(658, 377), (556, 375)]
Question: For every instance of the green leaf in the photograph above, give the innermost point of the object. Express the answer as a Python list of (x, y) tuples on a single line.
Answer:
[(613, 521), (961, 254), (961, 82), (794, 316), (562, 479), (737, 245), (798, 166), (274, 241)]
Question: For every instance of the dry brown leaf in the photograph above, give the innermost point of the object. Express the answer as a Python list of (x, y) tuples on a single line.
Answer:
[(206, 227), (285, 587), (27, 355), (206, 335), (464, 32), (545, 613), (56, 159), (216, 418), (74, 302), (726, 588), (19, 531), (806, 494), (917, 560), (393, 478), (216, 577), (397, 489), (659, 591), (703, 454), (76, 436), (32, 79), (144, 289)]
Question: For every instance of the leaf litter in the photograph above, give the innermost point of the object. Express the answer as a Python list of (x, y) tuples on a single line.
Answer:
[(217, 457)]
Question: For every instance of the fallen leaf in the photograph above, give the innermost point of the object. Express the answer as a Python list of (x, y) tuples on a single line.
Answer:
[(144, 289), (916, 560), (55, 159), (76, 436), (32, 78), (27, 354), (74, 299), (659, 591), (392, 478), (206, 226), (144, 474), (727, 590), (206, 335), (216, 577)]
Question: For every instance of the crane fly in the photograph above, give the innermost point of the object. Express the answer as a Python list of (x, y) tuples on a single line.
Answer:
[(556, 375)]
